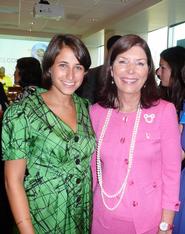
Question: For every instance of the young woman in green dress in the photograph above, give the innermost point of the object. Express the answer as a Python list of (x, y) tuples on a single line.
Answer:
[(47, 145)]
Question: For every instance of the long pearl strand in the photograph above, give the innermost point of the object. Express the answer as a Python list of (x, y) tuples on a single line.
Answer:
[(130, 160)]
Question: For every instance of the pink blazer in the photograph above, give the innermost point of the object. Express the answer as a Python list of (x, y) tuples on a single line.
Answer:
[(153, 183)]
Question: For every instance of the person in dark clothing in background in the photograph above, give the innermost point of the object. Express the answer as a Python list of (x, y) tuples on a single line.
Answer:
[(28, 75), (3, 98), (5, 213), (91, 83)]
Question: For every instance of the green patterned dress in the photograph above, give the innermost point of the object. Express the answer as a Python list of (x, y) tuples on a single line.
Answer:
[(58, 178)]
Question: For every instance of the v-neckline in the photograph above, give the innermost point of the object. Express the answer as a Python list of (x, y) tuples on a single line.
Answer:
[(58, 118)]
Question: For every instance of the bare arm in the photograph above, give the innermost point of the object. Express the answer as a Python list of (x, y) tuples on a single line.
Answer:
[(14, 177)]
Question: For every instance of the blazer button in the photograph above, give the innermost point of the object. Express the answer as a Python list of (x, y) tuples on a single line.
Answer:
[(135, 203), (154, 185), (126, 160), (131, 182), (122, 140)]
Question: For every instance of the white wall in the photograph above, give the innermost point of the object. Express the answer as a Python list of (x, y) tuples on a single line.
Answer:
[(95, 45), (12, 49)]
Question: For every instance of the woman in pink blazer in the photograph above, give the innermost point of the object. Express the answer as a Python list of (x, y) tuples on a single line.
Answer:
[(136, 167)]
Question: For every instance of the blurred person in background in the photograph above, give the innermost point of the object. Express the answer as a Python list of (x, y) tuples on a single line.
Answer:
[(171, 72), (28, 75), (6, 219), (5, 80), (92, 81), (172, 86)]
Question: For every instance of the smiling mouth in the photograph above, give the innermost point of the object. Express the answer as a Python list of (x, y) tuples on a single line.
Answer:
[(68, 83), (128, 80)]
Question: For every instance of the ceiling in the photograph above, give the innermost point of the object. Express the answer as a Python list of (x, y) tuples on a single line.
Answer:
[(85, 17)]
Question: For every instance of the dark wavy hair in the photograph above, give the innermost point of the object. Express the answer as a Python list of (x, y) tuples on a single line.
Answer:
[(30, 71), (112, 40), (56, 44), (175, 93), (108, 92)]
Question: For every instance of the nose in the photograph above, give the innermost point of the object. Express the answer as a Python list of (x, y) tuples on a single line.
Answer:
[(70, 73), (131, 67)]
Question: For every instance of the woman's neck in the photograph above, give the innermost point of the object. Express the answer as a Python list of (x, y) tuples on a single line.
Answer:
[(128, 103), (54, 98)]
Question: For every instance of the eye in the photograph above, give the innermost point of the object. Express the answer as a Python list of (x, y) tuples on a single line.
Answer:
[(63, 65), (141, 63), (123, 61), (79, 68)]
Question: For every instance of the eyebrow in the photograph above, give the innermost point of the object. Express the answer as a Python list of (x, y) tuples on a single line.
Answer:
[(63, 61), (135, 59)]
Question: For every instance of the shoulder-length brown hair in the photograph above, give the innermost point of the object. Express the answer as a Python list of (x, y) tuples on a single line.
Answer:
[(175, 92), (108, 92), (56, 44)]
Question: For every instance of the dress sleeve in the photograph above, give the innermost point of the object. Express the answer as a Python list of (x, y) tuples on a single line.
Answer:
[(15, 133), (171, 157)]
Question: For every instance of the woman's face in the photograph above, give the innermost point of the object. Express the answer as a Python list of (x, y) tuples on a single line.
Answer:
[(66, 73), (130, 71), (164, 73), (16, 76)]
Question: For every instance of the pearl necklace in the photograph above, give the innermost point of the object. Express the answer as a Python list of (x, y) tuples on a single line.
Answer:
[(121, 191)]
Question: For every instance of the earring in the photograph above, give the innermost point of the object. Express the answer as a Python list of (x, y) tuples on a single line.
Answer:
[(112, 82)]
